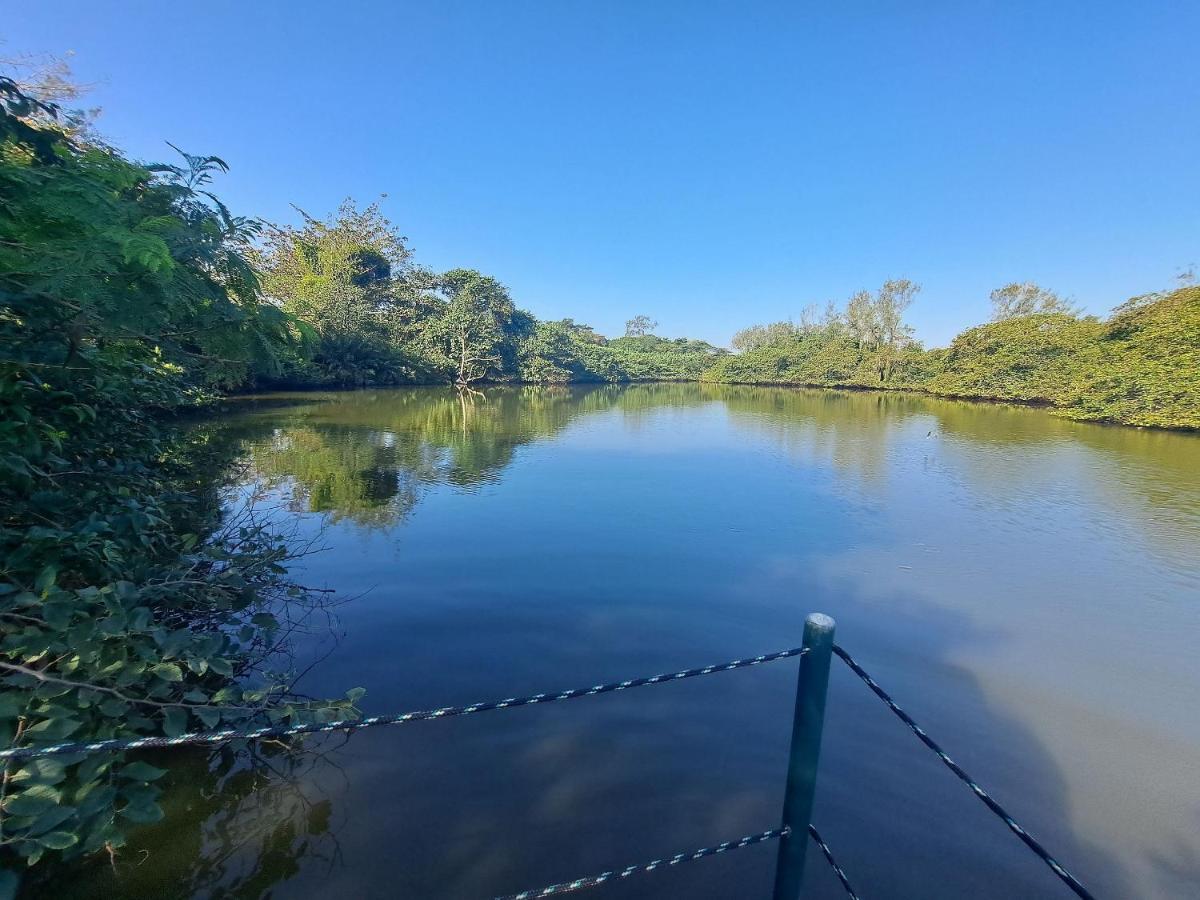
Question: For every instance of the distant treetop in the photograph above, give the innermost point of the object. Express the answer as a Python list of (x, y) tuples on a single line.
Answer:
[(1026, 299), (640, 325)]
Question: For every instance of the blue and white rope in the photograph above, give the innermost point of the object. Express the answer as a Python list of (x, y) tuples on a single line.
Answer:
[(220, 737), (579, 884), (833, 863), (1055, 866)]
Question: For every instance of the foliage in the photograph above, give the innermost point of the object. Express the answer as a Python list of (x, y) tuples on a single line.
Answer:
[(640, 326), (559, 352), (470, 336), (757, 336), (129, 607), (1141, 367), (349, 286), (1146, 367), (652, 358), (582, 332), (1026, 299), (877, 323), (363, 314), (1027, 358), (867, 344)]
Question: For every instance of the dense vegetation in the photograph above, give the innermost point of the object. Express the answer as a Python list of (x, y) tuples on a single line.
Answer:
[(365, 314), (1140, 367), (128, 605)]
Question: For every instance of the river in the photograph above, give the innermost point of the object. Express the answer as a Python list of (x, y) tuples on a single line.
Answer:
[(1028, 587)]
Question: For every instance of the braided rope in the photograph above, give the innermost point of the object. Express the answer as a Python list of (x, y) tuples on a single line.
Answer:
[(1070, 880), (833, 864), (221, 737), (579, 884)]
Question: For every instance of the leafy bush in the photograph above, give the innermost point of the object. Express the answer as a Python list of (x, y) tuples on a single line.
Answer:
[(651, 358), (128, 606), (1141, 367), (1030, 358), (1145, 369)]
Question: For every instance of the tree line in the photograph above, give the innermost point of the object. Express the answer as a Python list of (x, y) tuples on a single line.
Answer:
[(1140, 366), (362, 312)]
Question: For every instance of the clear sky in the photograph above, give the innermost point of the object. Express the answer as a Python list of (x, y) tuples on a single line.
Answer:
[(710, 164)]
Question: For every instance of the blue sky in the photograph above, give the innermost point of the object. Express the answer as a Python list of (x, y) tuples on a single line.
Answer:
[(710, 164)]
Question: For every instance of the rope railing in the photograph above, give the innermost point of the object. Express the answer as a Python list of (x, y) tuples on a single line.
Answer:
[(567, 887), (833, 863), (1032, 843), (589, 881), (115, 745), (807, 725)]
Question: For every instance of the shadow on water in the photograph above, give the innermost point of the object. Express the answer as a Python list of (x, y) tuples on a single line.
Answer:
[(473, 808), (902, 822), (797, 492)]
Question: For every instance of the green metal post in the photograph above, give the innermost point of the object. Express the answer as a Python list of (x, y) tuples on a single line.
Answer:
[(807, 723)]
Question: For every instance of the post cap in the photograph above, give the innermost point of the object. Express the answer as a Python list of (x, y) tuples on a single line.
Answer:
[(820, 622)]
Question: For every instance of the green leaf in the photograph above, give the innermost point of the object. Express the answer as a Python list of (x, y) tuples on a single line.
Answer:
[(141, 771), (32, 801), (58, 614), (50, 819), (58, 840), (113, 707), (98, 799), (41, 771), (46, 579), (175, 721), (138, 794), (9, 708), (167, 671), (54, 729)]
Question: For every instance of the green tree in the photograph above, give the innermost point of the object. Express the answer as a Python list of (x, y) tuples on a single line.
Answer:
[(1145, 369), (472, 336), (757, 336), (583, 332), (350, 283), (1025, 298), (652, 358), (892, 300), (639, 326), (1029, 358), (877, 323)]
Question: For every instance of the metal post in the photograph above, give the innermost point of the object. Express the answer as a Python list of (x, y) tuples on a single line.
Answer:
[(808, 720)]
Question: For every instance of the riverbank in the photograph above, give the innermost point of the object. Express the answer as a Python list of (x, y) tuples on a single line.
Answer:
[(1046, 405), (1141, 367)]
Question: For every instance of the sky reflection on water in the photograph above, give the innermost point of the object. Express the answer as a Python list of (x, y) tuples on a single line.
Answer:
[(1027, 586)]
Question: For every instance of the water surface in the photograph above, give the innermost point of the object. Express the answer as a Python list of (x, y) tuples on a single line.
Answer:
[(1028, 587)]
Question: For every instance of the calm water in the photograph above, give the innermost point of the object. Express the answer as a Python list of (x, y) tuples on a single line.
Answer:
[(1028, 587)]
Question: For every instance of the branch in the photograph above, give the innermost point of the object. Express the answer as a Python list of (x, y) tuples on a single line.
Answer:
[(85, 686)]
